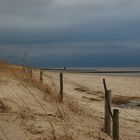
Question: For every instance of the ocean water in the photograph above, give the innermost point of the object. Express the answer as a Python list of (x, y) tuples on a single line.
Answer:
[(108, 71)]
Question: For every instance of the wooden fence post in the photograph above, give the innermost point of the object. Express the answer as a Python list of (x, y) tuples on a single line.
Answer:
[(107, 119), (41, 76), (26, 70), (115, 124), (30, 70), (61, 86), (104, 83), (23, 68)]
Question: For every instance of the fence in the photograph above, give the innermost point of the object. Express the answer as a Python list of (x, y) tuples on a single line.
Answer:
[(108, 114)]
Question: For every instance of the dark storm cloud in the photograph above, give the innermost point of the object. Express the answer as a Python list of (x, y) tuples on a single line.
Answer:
[(69, 27), (71, 48)]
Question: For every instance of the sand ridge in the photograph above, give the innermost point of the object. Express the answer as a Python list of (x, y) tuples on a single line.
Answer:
[(89, 90), (28, 112)]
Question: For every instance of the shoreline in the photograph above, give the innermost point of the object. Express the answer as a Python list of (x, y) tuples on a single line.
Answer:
[(98, 73)]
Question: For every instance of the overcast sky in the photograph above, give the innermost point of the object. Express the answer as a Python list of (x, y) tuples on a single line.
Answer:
[(71, 32)]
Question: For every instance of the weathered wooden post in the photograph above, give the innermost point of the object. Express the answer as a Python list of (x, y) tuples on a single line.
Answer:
[(105, 87), (61, 87), (23, 68), (107, 122), (41, 76), (107, 110), (26, 70), (115, 124), (30, 71)]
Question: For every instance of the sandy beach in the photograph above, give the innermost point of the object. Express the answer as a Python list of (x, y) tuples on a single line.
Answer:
[(30, 110), (89, 91)]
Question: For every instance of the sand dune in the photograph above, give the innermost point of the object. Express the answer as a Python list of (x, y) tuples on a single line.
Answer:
[(30, 110), (89, 91)]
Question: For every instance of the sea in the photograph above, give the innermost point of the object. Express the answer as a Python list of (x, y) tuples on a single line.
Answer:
[(108, 71)]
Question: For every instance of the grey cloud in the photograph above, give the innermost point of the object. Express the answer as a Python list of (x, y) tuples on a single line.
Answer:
[(60, 54), (69, 27), (56, 15), (71, 48)]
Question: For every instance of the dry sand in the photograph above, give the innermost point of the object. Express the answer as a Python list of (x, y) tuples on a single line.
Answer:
[(89, 91), (31, 111)]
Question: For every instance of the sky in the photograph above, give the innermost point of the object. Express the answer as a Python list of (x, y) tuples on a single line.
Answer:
[(70, 33)]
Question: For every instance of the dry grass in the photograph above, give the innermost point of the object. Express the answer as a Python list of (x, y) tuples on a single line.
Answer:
[(71, 120), (118, 100), (23, 74), (3, 107), (4, 66)]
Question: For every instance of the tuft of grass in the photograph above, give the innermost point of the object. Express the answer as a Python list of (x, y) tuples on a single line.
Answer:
[(3, 108), (119, 99)]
